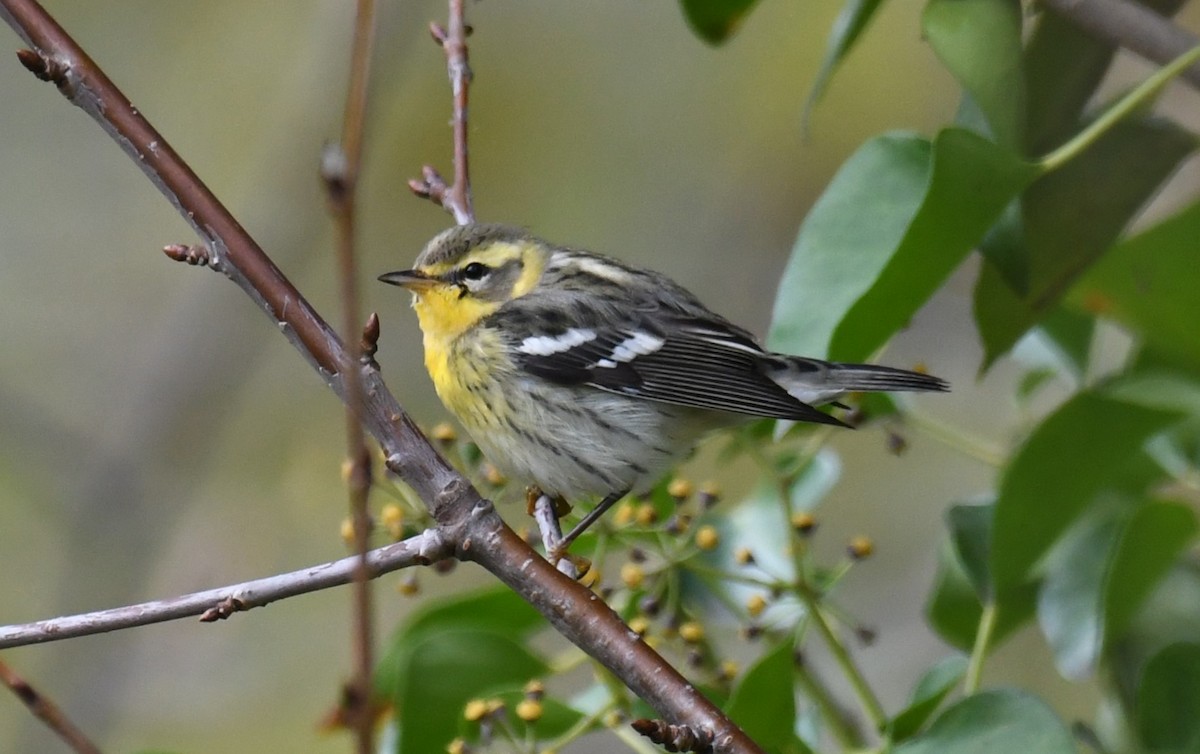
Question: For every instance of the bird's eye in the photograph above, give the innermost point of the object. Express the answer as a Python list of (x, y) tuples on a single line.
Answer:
[(474, 271)]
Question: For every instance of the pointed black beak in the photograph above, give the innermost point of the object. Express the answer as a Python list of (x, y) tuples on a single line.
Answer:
[(410, 279)]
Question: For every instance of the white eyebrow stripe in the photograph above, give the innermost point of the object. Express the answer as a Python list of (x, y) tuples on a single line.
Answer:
[(638, 344), (548, 345)]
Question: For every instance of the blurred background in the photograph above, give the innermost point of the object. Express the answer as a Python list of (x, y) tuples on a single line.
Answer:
[(158, 436)]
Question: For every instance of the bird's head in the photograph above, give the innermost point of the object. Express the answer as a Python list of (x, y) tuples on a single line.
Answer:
[(467, 272)]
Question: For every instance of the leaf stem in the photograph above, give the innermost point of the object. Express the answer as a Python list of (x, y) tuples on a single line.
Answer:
[(983, 640), (841, 655), (953, 437), (841, 728), (1138, 96)]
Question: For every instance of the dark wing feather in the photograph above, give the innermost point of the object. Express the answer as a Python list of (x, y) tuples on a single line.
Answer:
[(707, 364)]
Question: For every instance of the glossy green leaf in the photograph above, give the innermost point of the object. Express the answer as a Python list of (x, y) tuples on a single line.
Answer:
[(1070, 333), (994, 721), (1074, 454), (1149, 283), (837, 255), (971, 182), (1071, 602), (1064, 64), (847, 28), (970, 534), (715, 21), (495, 609), (928, 205), (1149, 544), (1168, 700), (980, 42), (954, 608), (935, 685), (445, 669), (1070, 217), (764, 702)]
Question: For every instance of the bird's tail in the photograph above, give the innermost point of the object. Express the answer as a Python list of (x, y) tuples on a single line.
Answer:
[(816, 382)]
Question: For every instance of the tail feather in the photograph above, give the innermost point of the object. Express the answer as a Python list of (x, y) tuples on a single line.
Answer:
[(817, 382), (874, 377)]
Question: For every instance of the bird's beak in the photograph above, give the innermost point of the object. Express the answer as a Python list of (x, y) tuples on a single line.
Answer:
[(413, 280)]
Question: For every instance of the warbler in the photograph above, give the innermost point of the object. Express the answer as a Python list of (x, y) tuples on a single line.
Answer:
[(587, 376)]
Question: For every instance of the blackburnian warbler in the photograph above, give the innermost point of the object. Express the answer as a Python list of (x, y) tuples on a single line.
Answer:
[(584, 375)]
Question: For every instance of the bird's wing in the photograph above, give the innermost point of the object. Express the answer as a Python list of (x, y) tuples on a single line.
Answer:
[(675, 358)]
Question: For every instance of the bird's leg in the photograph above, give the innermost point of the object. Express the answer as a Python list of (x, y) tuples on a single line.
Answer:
[(592, 516), (546, 510)]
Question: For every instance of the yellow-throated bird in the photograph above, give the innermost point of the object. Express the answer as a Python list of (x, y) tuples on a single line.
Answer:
[(584, 375)]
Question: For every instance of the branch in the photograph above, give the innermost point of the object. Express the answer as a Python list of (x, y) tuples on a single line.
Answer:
[(217, 604), (464, 518), (1133, 26), (455, 199), (44, 709), (340, 167)]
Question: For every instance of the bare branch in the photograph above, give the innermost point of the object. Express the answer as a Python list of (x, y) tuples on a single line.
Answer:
[(456, 198), (44, 709), (216, 604), (463, 517), (1133, 26), (340, 167)]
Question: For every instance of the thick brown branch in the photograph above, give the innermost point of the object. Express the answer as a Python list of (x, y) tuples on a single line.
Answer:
[(215, 604), (462, 515)]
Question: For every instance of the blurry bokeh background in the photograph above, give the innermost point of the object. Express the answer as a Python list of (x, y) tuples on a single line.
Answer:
[(158, 436)]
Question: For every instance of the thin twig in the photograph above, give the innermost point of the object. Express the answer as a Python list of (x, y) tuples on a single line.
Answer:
[(463, 517), (214, 604), (341, 165), (456, 198), (44, 709), (1133, 26)]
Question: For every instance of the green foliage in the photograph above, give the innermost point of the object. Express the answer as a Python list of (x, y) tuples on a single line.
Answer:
[(930, 692), (715, 21), (991, 722), (850, 24), (763, 702), (1168, 699), (1088, 523), (449, 653)]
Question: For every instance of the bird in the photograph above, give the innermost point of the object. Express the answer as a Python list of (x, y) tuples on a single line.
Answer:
[(585, 376)]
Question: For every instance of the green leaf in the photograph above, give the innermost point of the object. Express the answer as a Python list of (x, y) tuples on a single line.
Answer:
[(931, 690), (495, 609), (970, 533), (1070, 217), (847, 28), (1168, 698), (964, 582), (1149, 283), (1149, 545), (715, 21), (764, 702), (980, 42), (928, 205), (994, 721), (1063, 66), (445, 670), (1074, 454), (1070, 335), (1071, 601)]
